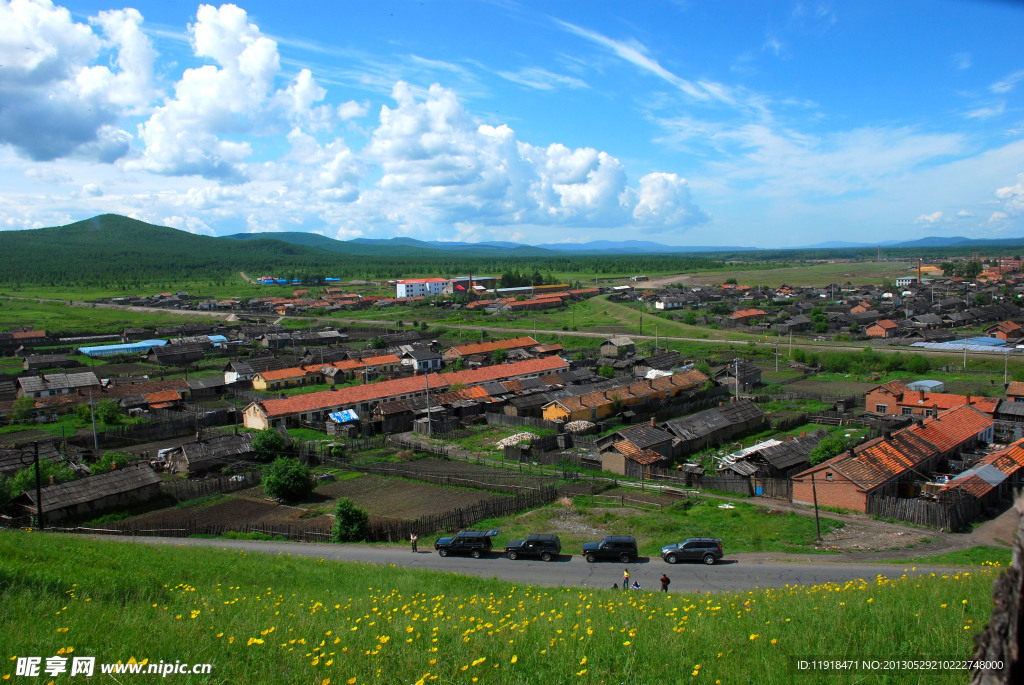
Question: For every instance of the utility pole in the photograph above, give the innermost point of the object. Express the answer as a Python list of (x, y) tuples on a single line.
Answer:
[(39, 487), (92, 410), (430, 420), (736, 374), (1006, 362), (817, 521)]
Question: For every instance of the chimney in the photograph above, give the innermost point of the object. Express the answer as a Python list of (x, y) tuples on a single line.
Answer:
[(968, 398), (789, 438), (652, 422)]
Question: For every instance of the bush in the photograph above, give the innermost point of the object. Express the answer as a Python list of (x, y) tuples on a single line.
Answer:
[(108, 412), (109, 462), (269, 445), (828, 448), (606, 371), (350, 522), (26, 478), (287, 479)]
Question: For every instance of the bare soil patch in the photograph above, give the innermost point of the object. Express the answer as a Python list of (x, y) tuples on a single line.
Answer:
[(231, 513), (403, 499)]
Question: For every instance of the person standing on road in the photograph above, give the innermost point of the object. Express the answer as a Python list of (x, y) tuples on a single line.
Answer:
[(413, 538), (664, 582), (625, 579)]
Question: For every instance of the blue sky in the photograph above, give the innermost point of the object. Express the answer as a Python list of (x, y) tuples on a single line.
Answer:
[(769, 124)]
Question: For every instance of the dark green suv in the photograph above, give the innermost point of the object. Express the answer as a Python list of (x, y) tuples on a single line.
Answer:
[(546, 547), (618, 547), (472, 542)]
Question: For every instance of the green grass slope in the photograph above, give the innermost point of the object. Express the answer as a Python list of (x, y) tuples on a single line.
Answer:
[(278, 618), (115, 249)]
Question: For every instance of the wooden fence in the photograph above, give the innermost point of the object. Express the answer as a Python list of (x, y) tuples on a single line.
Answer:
[(186, 490), (397, 530), (494, 419), (949, 515), (404, 442), (496, 482), (624, 501)]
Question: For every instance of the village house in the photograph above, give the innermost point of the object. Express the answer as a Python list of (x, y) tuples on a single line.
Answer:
[(896, 399), (579, 404), (1005, 330), (86, 496), (487, 348), (316, 406), (892, 464), (294, 377), (715, 426), (57, 384), (617, 346), (212, 454), (422, 359), (885, 328)]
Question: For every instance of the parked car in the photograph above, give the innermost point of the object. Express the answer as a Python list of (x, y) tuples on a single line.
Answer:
[(475, 543), (547, 547), (619, 547), (708, 550)]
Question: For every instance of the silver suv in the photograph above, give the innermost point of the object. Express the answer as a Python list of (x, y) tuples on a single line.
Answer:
[(708, 550)]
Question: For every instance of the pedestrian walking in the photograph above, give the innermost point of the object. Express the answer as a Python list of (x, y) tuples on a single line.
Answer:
[(625, 579), (664, 582), (413, 538)]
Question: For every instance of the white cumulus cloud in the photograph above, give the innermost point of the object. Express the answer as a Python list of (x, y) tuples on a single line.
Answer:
[(928, 219), (53, 101)]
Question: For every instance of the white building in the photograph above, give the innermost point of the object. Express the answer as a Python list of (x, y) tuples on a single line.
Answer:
[(420, 287)]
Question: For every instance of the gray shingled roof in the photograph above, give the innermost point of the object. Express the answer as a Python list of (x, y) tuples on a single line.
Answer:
[(91, 488)]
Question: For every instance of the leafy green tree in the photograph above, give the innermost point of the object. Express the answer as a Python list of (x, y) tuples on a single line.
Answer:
[(22, 408), (108, 412), (25, 479), (269, 444), (350, 522), (109, 462), (7, 491), (606, 371), (730, 281), (917, 363), (828, 448), (499, 356), (287, 479), (690, 318), (378, 343)]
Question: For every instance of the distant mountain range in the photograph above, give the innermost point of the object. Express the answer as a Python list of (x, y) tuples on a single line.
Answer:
[(412, 246)]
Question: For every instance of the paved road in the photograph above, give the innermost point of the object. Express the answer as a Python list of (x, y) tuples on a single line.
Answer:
[(733, 574)]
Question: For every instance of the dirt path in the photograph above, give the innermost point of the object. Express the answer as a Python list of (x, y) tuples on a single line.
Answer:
[(246, 278)]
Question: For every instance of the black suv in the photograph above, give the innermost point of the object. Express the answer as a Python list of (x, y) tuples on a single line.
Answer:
[(472, 542), (620, 547), (547, 547), (708, 550)]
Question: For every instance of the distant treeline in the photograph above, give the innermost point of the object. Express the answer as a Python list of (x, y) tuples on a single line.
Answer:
[(116, 252)]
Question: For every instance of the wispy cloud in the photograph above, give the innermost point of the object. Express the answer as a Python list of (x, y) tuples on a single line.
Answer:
[(1007, 84), (636, 54), (961, 60), (987, 112), (542, 79)]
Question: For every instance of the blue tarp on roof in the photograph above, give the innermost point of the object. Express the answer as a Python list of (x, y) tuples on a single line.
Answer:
[(344, 416), (124, 348), (979, 344)]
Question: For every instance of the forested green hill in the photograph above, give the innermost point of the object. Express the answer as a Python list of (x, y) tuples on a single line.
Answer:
[(111, 251)]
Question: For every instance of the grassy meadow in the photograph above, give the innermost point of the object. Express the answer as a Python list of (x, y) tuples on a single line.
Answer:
[(279, 618)]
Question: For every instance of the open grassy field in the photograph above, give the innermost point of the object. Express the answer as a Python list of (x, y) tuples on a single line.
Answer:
[(280, 618), (807, 274), (743, 528), (59, 317)]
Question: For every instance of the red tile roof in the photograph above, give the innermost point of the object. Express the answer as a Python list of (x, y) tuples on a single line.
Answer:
[(163, 396), (1008, 460), (372, 392), (746, 313), (292, 372), (483, 348), (1015, 388), (887, 324), (510, 370), (953, 428)]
